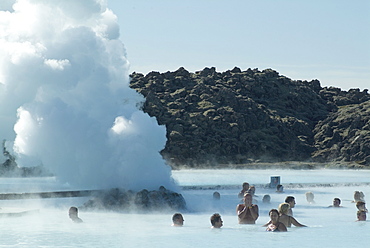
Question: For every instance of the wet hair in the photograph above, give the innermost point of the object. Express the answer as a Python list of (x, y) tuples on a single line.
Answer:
[(360, 203), (357, 195), (284, 208), (216, 195), (337, 199), (266, 199), (274, 210), (247, 194), (289, 199), (251, 190), (279, 187), (245, 183), (176, 217), (215, 218), (73, 211)]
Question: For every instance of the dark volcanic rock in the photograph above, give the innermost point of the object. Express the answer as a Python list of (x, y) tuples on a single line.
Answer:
[(345, 135), (142, 201), (239, 116)]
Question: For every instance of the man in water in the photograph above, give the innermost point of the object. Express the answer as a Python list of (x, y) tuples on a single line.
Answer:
[(361, 215), (291, 201), (73, 214), (336, 203), (279, 188), (244, 190), (247, 212), (177, 220), (361, 206), (216, 221)]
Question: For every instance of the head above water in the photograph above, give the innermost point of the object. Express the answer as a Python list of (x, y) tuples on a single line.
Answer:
[(245, 186), (73, 214), (216, 195), (360, 205), (358, 196), (279, 188), (309, 197), (291, 201), (284, 208), (216, 220), (274, 215), (177, 219), (266, 199), (73, 211), (361, 215), (336, 202)]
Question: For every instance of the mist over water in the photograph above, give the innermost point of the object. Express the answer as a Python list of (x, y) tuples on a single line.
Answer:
[(66, 101)]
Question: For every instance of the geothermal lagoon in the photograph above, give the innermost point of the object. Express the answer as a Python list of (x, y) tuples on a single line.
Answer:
[(49, 225)]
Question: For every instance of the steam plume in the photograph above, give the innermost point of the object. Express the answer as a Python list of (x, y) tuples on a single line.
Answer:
[(65, 97)]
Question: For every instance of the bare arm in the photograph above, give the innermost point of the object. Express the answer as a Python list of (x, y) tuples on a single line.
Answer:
[(296, 223), (254, 212), (241, 210), (268, 223)]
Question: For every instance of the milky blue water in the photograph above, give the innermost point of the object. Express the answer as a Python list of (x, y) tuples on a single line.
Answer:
[(327, 227)]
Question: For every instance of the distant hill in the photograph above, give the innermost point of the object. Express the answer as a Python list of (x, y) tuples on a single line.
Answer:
[(241, 117)]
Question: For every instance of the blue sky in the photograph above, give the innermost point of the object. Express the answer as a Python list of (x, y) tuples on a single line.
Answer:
[(327, 40)]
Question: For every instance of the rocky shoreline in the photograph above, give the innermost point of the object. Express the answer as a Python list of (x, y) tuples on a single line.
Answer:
[(288, 165)]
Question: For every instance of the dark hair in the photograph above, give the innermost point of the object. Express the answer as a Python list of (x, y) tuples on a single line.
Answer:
[(73, 210), (176, 217), (216, 195), (289, 199), (266, 198), (274, 210), (337, 199), (215, 218), (360, 203)]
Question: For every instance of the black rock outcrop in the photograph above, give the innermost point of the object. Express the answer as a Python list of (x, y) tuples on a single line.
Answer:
[(142, 201), (242, 116)]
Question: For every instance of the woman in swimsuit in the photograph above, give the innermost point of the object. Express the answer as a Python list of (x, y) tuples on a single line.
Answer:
[(287, 219), (275, 225)]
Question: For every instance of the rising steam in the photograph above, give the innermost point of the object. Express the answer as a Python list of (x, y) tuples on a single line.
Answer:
[(65, 97)]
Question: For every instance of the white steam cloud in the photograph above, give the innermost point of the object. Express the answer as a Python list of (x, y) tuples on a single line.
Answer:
[(65, 97)]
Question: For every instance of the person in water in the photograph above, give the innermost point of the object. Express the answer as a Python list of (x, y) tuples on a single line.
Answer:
[(216, 195), (310, 197), (336, 203), (275, 225), (247, 212), (291, 201), (358, 196), (361, 206), (73, 214), (216, 221), (177, 220), (279, 188), (244, 190), (361, 215), (285, 218), (266, 199)]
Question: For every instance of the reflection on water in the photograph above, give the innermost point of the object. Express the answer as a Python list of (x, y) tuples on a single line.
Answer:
[(328, 227)]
